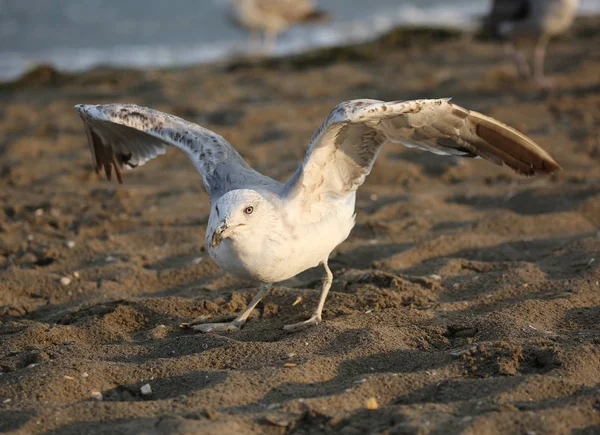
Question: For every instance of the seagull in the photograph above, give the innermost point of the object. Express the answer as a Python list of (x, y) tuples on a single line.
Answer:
[(539, 20), (266, 231), (271, 17)]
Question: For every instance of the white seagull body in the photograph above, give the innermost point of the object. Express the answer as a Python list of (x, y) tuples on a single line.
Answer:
[(268, 231), (539, 20)]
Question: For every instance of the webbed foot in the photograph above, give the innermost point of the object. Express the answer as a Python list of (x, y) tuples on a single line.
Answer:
[(232, 326), (314, 320)]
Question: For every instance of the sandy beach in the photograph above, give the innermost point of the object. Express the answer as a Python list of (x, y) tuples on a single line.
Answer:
[(466, 300)]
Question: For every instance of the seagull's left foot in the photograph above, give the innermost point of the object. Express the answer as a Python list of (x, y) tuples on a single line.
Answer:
[(233, 326), (314, 320)]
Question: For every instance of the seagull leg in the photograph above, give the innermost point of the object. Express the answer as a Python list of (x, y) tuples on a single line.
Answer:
[(538, 66), (254, 42), (520, 62), (316, 317), (270, 41), (239, 321)]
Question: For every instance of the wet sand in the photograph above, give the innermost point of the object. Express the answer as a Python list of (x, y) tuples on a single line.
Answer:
[(466, 300)]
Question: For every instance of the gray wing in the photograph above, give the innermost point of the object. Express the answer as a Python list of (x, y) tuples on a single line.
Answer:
[(126, 135), (345, 146)]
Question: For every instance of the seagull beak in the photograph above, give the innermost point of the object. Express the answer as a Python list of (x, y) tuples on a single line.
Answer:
[(217, 236)]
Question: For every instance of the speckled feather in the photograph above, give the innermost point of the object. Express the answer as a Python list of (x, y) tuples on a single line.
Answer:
[(126, 135), (345, 146), (341, 154)]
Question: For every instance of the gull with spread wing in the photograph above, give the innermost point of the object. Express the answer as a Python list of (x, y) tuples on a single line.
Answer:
[(266, 231)]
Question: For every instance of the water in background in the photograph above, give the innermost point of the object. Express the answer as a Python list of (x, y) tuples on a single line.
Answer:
[(78, 34)]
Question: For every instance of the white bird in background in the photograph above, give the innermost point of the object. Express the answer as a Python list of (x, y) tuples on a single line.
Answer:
[(537, 20), (272, 17), (266, 231)]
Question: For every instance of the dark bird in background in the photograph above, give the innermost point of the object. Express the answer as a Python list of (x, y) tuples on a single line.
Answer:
[(530, 20)]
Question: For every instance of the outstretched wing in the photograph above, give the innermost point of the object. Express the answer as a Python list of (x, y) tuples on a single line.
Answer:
[(344, 147), (126, 135)]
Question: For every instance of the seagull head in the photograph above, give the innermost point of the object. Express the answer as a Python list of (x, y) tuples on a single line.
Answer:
[(236, 214)]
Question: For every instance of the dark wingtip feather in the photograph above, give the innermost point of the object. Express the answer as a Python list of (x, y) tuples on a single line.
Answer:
[(103, 157), (514, 149), (117, 169)]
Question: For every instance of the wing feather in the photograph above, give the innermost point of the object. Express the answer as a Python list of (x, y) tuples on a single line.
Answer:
[(127, 136), (345, 146)]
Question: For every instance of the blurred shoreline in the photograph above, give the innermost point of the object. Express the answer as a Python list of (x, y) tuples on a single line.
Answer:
[(142, 38), (402, 36)]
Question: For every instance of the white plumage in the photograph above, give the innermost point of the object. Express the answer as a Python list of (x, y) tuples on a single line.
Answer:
[(268, 231)]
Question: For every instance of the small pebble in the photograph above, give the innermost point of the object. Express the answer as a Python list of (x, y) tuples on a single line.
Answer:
[(70, 244), (374, 197), (371, 403), (76, 274), (146, 390), (5, 401), (96, 395), (65, 280), (196, 260), (84, 375), (435, 277), (69, 378), (39, 212)]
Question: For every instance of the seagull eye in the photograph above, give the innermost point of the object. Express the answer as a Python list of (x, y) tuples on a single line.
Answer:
[(249, 209)]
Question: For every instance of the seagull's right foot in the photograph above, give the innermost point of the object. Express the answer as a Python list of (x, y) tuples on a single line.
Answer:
[(233, 326), (314, 320)]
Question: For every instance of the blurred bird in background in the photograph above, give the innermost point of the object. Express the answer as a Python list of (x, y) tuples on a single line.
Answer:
[(272, 17), (537, 20)]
